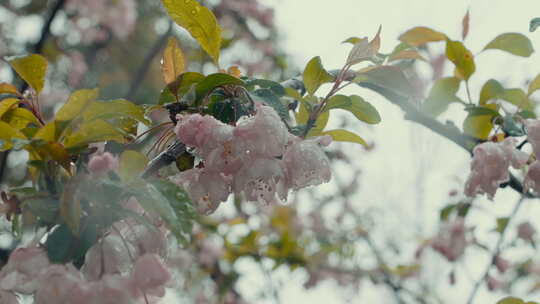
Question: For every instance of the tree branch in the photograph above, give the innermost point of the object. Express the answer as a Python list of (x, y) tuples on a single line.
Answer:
[(495, 253), (448, 131), (36, 48), (164, 159), (142, 71)]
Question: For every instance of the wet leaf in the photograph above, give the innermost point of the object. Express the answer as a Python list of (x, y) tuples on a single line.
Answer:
[(172, 62), (199, 21), (32, 69)]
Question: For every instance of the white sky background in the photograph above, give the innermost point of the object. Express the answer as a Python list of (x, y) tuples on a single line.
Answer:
[(411, 171)]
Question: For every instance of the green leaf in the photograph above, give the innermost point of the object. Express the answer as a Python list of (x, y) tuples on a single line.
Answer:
[(534, 85), (492, 89), (446, 211), (518, 98), (32, 69), (441, 95), (62, 246), (480, 124), (172, 62), (314, 75), (535, 23), (94, 131), (389, 77), (153, 200), (320, 124), (179, 87), (76, 103), (354, 40), (346, 136), (338, 102), (513, 43), (199, 21), (132, 163), (502, 223), (70, 206), (268, 97), (117, 109), (275, 87), (213, 81), (7, 104), (363, 110), (421, 35), (462, 58)]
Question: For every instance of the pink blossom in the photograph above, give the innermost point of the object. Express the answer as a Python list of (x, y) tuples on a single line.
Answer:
[(203, 132), (109, 256), (489, 167), (306, 163), (209, 253), (263, 134), (145, 240), (501, 264), (451, 241), (261, 180), (532, 179), (150, 273), (526, 231), (7, 297), (493, 283), (102, 163), (21, 272), (205, 188), (118, 16), (56, 283), (117, 289), (78, 68)]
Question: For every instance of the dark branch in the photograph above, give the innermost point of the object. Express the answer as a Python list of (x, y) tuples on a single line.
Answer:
[(141, 73), (164, 159)]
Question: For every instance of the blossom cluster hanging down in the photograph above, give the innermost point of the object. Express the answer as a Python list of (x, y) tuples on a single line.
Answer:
[(491, 161), (258, 157)]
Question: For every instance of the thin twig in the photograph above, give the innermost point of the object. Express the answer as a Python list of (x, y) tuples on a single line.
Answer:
[(496, 252), (142, 71)]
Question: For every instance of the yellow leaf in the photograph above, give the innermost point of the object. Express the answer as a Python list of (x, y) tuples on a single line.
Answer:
[(406, 54), (6, 88), (19, 118), (7, 133), (47, 133), (76, 103), (421, 35), (32, 69), (462, 58), (344, 135), (131, 164), (480, 125), (94, 131), (534, 85), (7, 104), (199, 21), (172, 62)]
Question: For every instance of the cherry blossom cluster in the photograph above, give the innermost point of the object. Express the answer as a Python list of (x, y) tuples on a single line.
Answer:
[(491, 161), (29, 271), (117, 16), (451, 240), (258, 157)]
